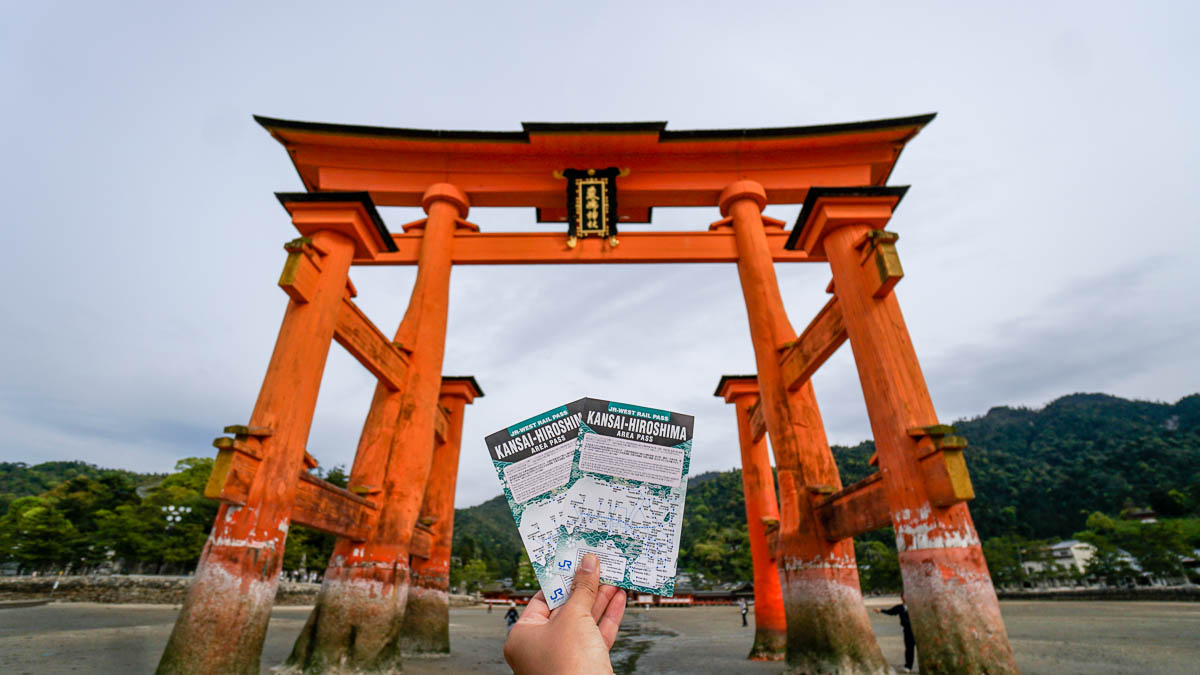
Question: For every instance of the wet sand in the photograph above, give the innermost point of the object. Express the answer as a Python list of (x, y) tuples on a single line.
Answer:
[(1047, 637)]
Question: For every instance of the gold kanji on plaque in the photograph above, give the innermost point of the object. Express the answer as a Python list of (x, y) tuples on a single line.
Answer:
[(591, 204)]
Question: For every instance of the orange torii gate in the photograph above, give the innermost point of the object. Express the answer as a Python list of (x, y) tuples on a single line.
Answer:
[(384, 590), (762, 518)]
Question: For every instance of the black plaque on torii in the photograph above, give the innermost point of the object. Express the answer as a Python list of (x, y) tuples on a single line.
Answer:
[(591, 204)]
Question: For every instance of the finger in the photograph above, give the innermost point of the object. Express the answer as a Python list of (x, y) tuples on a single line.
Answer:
[(537, 611), (585, 586), (602, 597), (611, 621)]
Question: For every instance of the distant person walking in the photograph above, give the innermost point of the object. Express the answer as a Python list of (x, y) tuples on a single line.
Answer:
[(511, 616), (910, 645), (745, 610)]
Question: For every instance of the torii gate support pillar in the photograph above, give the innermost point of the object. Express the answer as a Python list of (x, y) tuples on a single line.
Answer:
[(223, 622), (955, 614), (828, 626), (762, 514), (426, 627), (356, 624)]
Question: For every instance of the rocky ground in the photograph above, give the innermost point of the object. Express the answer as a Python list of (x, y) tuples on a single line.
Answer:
[(1048, 637)]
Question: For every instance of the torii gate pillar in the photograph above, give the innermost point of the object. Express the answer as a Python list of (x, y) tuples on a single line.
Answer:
[(360, 610), (762, 513), (955, 615), (223, 622), (427, 618), (828, 626)]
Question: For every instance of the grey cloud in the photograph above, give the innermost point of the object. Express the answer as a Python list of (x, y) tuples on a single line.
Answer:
[(1051, 214)]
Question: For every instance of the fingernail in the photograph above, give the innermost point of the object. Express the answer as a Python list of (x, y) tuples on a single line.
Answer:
[(589, 563)]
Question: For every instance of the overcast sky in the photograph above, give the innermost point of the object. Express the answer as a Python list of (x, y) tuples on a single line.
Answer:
[(1049, 240)]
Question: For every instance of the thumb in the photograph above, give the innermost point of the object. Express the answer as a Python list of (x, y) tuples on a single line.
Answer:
[(585, 586)]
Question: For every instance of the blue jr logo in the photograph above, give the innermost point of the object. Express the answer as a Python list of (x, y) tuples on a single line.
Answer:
[(564, 564), (556, 594)]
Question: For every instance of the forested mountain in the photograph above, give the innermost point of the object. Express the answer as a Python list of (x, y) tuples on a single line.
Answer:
[(21, 480), (1038, 474)]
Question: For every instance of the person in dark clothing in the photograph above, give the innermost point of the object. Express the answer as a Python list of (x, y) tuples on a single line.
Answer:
[(511, 616), (910, 644), (742, 604)]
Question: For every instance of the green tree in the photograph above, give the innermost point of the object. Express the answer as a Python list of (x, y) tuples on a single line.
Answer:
[(1107, 564), (525, 578), (1004, 559), (473, 575), (878, 567), (1159, 548), (36, 534)]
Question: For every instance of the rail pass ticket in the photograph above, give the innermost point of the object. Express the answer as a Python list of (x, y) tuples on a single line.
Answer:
[(625, 498), (533, 462), (599, 477)]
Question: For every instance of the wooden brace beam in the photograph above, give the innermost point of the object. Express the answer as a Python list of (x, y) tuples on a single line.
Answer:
[(758, 424), (802, 357), (879, 252), (319, 504), (441, 425), (301, 271), (422, 541), (365, 342), (862, 507)]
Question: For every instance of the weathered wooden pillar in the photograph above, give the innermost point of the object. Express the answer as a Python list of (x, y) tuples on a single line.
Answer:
[(224, 618), (758, 486), (427, 618), (955, 616), (360, 609), (828, 627)]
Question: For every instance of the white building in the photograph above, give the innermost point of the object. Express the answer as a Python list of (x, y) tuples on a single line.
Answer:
[(1065, 557)]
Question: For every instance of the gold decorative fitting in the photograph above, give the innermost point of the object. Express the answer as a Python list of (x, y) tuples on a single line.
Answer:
[(297, 244)]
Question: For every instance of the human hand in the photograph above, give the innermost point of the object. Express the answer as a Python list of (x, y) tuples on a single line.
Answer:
[(574, 638)]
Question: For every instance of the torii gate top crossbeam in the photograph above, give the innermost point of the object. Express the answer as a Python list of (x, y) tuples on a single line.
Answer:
[(665, 167)]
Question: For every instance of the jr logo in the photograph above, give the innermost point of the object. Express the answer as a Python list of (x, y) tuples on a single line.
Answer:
[(556, 594), (564, 564)]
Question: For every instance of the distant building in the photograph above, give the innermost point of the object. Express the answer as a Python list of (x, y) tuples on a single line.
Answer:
[(1141, 515), (1192, 563), (1066, 563), (1068, 557), (686, 595), (502, 592)]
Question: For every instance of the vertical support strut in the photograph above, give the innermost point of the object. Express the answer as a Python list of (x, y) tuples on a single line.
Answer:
[(762, 511), (356, 622), (827, 625), (223, 622), (426, 627), (955, 615)]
